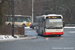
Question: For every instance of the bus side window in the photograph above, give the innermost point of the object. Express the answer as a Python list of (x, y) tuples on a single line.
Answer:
[(15, 19)]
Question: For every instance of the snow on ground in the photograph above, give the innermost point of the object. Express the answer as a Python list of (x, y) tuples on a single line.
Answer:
[(64, 27), (8, 36), (69, 27), (18, 37), (26, 27)]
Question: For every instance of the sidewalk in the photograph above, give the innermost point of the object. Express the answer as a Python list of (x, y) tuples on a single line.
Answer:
[(17, 37)]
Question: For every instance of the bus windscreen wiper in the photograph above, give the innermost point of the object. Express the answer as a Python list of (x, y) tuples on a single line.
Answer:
[(50, 27), (53, 27)]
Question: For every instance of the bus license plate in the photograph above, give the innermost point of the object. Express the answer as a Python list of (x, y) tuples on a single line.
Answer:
[(54, 33)]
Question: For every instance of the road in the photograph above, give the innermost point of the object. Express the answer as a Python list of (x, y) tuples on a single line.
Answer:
[(65, 42)]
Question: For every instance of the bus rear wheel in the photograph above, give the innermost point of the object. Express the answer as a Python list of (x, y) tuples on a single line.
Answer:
[(59, 35), (9, 24), (23, 25)]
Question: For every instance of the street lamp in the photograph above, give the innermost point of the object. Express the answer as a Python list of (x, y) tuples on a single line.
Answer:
[(32, 11), (12, 5), (0, 1)]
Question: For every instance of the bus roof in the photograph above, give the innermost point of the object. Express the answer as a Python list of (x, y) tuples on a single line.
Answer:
[(18, 15), (54, 15), (50, 15)]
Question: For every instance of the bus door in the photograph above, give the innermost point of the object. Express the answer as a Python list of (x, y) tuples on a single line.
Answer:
[(38, 26), (41, 25)]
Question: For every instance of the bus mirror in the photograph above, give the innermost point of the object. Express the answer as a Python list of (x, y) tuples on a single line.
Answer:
[(44, 26), (43, 19), (63, 24)]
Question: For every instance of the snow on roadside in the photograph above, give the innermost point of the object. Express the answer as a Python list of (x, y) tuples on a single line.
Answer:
[(64, 27), (27, 27), (69, 27), (7, 37)]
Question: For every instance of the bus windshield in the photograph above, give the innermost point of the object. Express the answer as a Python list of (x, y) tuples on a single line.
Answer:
[(54, 23)]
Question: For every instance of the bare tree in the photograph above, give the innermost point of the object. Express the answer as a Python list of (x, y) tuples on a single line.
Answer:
[(4, 6)]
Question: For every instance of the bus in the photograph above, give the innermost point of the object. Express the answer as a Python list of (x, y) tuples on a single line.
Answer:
[(19, 20), (51, 24)]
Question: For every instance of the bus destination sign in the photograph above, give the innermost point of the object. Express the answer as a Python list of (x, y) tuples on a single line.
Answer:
[(53, 17)]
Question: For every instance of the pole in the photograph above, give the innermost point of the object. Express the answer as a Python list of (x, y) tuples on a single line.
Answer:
[(32, 11), (12, 5)]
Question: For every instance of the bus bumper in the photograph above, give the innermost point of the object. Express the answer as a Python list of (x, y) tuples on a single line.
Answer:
[(53, 33)]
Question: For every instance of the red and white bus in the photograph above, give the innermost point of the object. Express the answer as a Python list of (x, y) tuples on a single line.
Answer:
[(51, 24)]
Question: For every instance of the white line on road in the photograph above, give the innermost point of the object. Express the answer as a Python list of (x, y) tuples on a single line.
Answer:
[(71, 31)]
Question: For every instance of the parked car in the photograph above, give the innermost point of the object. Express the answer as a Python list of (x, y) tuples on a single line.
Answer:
[(33, 25)]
